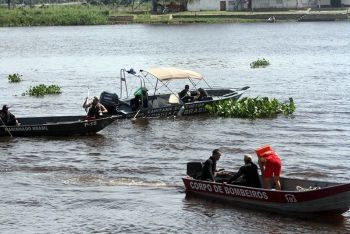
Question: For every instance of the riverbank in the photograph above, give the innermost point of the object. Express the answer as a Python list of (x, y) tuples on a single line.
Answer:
[(61, 15), (288, 15), (53, 16)]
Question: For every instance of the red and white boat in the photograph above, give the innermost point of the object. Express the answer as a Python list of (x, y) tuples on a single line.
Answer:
[(296, 197)]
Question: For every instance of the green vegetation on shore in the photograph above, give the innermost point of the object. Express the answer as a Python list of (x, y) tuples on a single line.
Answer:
[(87, 14), (251, 108), (53, 15), (62, 15)]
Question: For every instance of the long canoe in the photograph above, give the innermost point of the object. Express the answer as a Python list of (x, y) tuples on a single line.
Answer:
[(55, 126)]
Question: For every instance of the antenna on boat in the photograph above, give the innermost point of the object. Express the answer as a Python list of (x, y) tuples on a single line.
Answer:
[(86, 100), (131, 71), (142, 83), (123, 79)]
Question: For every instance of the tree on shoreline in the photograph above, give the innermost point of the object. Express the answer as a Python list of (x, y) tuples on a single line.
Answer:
[(183, 3)]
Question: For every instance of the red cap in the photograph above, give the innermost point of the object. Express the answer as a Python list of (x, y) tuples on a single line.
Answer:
[(263, 151)]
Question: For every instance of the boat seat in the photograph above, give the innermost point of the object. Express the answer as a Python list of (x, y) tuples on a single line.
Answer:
[(206, 99), (173, 99), (194, 169)]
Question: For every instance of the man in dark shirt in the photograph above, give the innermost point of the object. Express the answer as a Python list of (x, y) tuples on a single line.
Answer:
[(185, 92), (185, 95), (209, 168), (249, 173), (95, 108), (7, 118)]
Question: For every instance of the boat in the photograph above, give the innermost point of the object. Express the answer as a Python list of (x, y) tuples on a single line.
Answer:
[(161, 100), (271, 19), (56, 126), (297, 196)]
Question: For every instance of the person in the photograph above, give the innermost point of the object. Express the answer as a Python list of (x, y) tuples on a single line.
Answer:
[(7, 118), (95, 108), (185, 95), (270, 166), (249, 174), (209, 168), (202, 95), (141, 99)]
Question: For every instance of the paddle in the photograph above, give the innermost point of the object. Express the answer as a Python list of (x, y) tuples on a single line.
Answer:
[(134, 118), (6, 127), (88, 95)]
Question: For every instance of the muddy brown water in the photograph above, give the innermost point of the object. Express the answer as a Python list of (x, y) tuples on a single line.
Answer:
[(128, 177)]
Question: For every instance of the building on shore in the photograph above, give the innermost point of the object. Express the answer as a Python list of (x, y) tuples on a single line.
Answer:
[(298, 4), (217, 5), (232, 5)]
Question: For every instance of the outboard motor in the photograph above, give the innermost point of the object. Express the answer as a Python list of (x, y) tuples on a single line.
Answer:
[(194, 169), (110, 101)]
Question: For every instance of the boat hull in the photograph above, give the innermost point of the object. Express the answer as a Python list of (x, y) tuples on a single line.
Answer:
[(166, 111), (56, 126), (186, 109), (334, 199)]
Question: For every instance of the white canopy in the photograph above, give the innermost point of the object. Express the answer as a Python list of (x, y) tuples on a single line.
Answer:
[(172, 73)]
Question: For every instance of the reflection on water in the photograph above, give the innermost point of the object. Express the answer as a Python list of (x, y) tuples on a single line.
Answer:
[(127, 178), (215, 209), (140, 122)]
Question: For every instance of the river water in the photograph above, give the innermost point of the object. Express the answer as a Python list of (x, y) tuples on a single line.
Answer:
[(128, 177)]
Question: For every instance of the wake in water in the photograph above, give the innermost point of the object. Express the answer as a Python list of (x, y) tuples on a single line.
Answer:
[(91, 180)]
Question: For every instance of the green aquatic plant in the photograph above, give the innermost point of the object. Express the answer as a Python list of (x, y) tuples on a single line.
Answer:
[(41, 90), (14, 78), (251, 108), (259, 63)]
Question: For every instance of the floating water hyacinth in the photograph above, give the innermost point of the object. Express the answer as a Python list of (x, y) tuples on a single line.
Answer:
[(259, 63), (251, 108), (14, 78), (41, 90)]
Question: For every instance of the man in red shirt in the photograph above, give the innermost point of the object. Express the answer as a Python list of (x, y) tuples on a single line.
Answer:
[(270, 166)]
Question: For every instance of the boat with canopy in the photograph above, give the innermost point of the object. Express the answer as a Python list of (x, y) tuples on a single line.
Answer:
[(156, 98)]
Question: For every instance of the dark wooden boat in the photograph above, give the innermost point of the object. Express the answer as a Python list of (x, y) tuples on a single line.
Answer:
[(55, 126), (296, 197), (162, 100)]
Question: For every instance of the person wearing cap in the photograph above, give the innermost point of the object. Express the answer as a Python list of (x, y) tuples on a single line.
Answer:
[(7, 118), (209, 168), (185, 95), (270, 166), (249, 174), (96, 109)]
